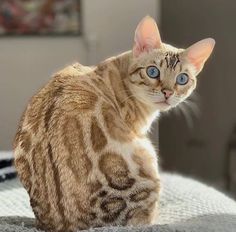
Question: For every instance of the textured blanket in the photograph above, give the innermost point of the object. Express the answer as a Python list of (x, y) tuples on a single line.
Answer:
[(185, 206)]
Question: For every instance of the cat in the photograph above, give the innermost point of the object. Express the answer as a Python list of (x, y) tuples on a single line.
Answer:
[(82, 150)]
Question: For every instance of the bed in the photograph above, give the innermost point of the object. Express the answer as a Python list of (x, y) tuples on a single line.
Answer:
[(186, 205)]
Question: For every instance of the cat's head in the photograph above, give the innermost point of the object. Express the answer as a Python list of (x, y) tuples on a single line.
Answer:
[(161, 75)]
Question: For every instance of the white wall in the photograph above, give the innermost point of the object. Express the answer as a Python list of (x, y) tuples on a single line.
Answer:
[(27, 63)]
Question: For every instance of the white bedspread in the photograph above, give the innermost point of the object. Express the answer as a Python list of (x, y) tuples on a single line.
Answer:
[(185, 206)]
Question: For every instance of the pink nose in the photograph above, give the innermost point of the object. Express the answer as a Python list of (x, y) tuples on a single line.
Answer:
[(167, 93)]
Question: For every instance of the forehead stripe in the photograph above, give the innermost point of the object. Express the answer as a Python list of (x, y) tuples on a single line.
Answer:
[(172, 60), (161, 63)]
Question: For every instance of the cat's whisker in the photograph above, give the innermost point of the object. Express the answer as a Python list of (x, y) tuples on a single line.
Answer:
[(154, 93), (176, 110), (194, 96), (186, 115), (194, 108)]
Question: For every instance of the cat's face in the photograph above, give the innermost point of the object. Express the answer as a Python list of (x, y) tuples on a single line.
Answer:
[(161, 75)]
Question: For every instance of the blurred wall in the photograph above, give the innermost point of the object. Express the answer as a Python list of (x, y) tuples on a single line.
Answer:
[(26, 63)]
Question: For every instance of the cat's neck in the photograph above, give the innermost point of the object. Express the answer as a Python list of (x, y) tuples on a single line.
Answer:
[(136, 113)]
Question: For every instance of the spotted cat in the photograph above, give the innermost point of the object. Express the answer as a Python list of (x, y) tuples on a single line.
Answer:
[(81, 149)]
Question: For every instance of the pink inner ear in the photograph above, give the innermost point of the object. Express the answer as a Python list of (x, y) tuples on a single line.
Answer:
[(199, 52), (147, 36)]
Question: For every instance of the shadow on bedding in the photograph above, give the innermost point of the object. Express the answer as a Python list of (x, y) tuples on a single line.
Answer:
[(204, 223)]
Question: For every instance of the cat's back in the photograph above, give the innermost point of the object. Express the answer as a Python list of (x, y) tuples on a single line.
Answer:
[(50, 149), (78, 159), (67, 93), (61, 86)]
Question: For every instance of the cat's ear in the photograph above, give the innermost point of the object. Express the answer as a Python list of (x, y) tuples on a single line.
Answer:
[(198, 53), (147, 36)]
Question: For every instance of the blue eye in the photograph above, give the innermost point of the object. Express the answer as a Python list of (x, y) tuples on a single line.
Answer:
[(182, 79), (153, 72)]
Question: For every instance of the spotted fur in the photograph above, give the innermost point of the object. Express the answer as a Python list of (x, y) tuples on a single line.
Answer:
[(81, 149)]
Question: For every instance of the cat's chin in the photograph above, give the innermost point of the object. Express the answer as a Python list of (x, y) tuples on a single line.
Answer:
[(163, 106)]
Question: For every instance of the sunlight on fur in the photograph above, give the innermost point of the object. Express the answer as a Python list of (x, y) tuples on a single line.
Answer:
[(82, 150)]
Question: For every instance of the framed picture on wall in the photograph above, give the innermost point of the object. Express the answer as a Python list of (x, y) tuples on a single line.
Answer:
[(40, 17)]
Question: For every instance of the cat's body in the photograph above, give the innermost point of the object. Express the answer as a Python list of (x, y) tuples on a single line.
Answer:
[(81, 150)]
